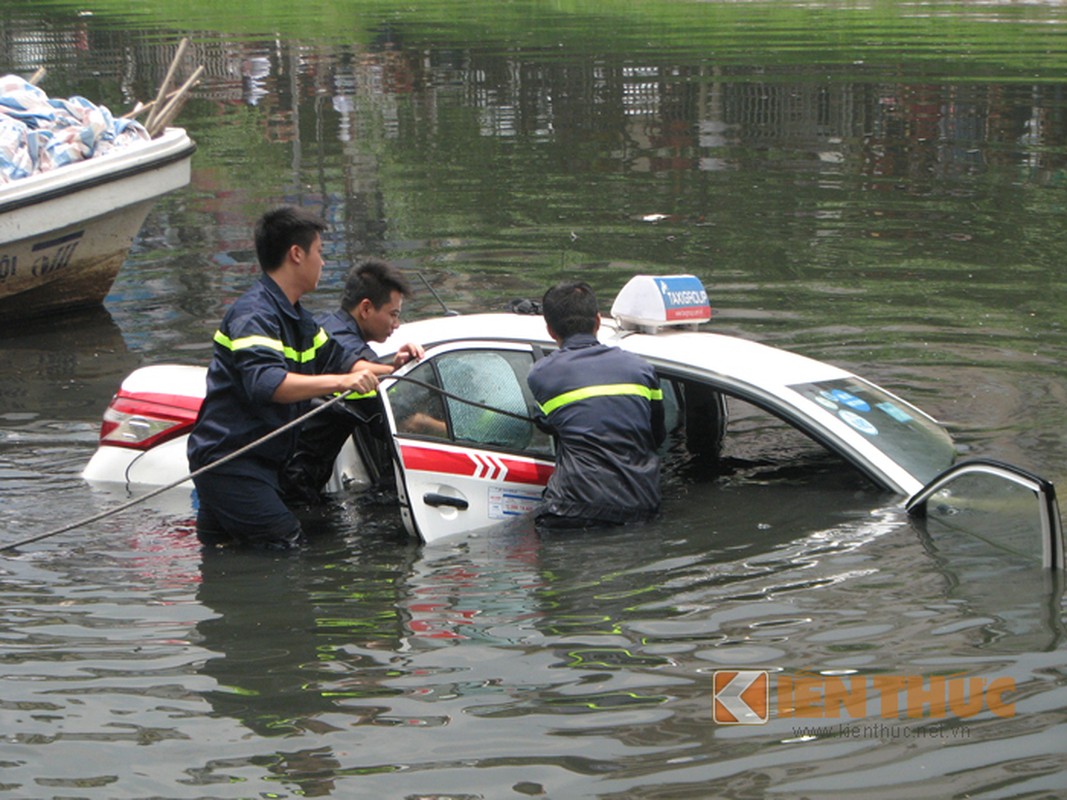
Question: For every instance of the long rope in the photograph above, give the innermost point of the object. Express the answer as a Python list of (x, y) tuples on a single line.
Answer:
[(159, 490), (236, 453)]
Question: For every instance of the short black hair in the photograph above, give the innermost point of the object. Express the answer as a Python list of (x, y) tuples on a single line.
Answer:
[(375, 280), (278, 230), (570, 308)]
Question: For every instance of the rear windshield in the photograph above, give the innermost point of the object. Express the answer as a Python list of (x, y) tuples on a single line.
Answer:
[(899, 430)]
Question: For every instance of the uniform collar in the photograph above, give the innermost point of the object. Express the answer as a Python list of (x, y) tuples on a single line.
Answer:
[(275, 291), (580, 340), (350, 323)]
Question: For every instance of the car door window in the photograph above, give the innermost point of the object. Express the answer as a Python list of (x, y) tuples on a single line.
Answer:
[(417, 403), (482, 399), (981, 503)]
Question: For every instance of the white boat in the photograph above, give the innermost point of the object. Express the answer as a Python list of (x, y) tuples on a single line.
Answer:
[(65, 233), (479, 469)]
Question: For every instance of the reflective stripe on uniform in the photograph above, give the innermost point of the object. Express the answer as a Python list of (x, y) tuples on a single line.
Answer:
[(603, 390), (299, 357)]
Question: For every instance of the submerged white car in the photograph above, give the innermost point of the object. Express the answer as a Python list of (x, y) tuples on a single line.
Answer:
[(465, 453)]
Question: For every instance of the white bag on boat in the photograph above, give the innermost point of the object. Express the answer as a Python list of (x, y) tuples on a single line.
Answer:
[(38, 134)]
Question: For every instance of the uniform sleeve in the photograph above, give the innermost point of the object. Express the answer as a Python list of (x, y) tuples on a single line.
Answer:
[(258, 355), (350, 344), (659, 423), (336, 358), (537, 389), (355, 349)]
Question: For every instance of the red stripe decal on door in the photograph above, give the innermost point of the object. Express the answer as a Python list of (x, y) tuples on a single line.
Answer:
[(533, 472), (477, 465), (425, 459)]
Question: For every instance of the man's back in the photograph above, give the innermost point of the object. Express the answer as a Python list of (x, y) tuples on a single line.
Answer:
[(605, 407)]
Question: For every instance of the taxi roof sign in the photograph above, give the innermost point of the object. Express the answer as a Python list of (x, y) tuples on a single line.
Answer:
[(651, 302)]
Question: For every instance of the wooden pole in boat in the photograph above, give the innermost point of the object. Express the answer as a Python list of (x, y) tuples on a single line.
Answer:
[(37, 76), (140, 108), (159, 122), (166, 81)]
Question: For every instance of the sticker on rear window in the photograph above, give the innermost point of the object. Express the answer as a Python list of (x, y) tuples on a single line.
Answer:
[(858, 422), (896, 413), (850, 400), (826, 400)]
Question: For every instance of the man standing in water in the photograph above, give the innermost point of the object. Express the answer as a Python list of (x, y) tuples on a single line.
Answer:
[(605, 408), (270, 359)]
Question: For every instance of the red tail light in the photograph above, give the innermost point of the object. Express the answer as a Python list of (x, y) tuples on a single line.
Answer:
[(145, 419)]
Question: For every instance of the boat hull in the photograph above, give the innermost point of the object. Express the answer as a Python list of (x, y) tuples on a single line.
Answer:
[(65, 234)]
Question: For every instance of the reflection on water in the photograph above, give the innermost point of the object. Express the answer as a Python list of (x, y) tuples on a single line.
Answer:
[(881, 187), (63, 366), (1004, 584), (371, 667), (55, 378)]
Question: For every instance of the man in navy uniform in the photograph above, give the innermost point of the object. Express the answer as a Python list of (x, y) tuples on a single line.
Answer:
[(371, 303), (605, 408), (270, 360)]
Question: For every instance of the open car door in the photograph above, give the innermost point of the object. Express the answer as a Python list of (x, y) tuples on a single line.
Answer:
[(467, 453), (982, 502)]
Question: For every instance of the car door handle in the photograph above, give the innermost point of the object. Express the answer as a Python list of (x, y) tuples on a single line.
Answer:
[(434, 499)]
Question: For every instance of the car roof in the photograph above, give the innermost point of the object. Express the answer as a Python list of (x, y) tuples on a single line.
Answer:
[(755, 372)]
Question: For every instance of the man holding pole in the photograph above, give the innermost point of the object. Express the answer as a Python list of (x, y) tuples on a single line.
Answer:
[(270, 360)]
